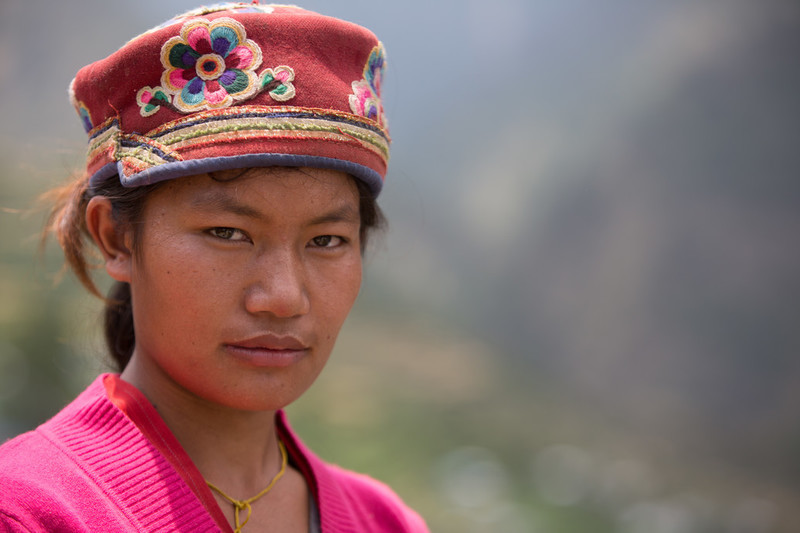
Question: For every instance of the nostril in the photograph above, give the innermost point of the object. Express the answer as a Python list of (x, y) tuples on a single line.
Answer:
[(284, 298)]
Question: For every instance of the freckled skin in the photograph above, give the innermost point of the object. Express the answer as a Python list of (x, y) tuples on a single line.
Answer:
[(195, 291)]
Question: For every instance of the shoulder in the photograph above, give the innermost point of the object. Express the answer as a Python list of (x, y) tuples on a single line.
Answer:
[(47, 482), (30, 488), (27, 459), (375, 502), (40, 458)]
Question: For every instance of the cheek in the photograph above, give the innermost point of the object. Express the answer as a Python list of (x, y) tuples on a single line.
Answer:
[(174, 282), (342, 290)]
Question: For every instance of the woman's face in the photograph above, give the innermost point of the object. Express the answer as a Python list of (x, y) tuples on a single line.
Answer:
[(240, 287)]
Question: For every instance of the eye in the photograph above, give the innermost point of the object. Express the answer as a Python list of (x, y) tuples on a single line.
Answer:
[(228, 234), (327, 241)]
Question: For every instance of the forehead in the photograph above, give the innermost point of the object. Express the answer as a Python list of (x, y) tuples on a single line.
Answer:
[(268, 188)]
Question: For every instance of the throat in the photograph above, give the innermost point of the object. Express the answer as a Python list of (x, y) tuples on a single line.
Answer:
[(245, 506)]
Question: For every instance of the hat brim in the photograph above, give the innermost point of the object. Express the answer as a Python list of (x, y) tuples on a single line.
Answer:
[(193, 167)]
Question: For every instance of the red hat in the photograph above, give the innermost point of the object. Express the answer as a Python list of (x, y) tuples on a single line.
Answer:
[(236, 85)]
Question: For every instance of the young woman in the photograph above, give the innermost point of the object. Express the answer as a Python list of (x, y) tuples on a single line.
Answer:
[(235, 153)]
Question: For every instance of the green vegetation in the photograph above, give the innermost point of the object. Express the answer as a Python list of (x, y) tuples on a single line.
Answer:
[(475, 442)]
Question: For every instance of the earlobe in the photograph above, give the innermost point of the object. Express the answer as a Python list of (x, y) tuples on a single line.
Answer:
[(112, 241)]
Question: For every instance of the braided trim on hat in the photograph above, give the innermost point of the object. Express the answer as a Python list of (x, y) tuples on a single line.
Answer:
[(255, 121), (244, 126), (242, 94)]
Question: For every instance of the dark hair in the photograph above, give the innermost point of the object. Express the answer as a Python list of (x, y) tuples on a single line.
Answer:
[(67, 221)]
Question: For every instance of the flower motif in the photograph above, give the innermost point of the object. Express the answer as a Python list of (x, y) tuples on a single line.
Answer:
[(210, 65), (278, 82), (86, 117), (366, 98), (80, 108), (150, 100)]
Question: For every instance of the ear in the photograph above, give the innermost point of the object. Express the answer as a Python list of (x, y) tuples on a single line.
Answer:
[(114, 242)]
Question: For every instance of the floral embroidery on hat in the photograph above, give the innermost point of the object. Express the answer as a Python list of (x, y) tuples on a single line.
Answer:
[(86, 117), (80, 108), (366, 98), (150, 100), (278, 82), (210, 65)]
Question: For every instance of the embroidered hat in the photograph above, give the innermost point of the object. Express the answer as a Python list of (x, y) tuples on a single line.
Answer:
[(236, 85)]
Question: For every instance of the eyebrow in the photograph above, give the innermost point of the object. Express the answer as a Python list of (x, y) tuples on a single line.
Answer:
[(225, 202), (344, 213)]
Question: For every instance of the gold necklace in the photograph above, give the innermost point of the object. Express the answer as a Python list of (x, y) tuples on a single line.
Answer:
[(238, 505)]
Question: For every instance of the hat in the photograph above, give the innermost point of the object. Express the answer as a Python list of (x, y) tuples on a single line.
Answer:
[(236, 85)]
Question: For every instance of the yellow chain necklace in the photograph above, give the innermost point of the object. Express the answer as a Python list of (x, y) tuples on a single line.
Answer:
[(238, 505)]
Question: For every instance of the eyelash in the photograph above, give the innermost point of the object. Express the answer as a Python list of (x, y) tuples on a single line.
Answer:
[(314, 242), (339, 241), (216, 232)]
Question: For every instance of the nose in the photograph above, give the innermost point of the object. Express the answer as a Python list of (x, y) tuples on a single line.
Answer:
[(278, 287)]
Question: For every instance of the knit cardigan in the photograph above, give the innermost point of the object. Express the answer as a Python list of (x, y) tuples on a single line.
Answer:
[(91, 468)]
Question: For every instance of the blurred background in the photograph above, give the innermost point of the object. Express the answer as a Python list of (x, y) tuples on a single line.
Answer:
[(585, 315)]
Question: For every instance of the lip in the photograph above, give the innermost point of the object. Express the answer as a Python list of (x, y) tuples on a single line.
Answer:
[(268, 350)]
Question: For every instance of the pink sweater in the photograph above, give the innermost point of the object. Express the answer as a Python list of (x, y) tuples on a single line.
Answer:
[(91, 468)]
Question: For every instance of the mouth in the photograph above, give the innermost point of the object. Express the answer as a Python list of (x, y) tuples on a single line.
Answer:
[(268, 350)]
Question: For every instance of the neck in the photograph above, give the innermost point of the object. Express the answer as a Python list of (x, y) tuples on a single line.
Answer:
[(234, 449)]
